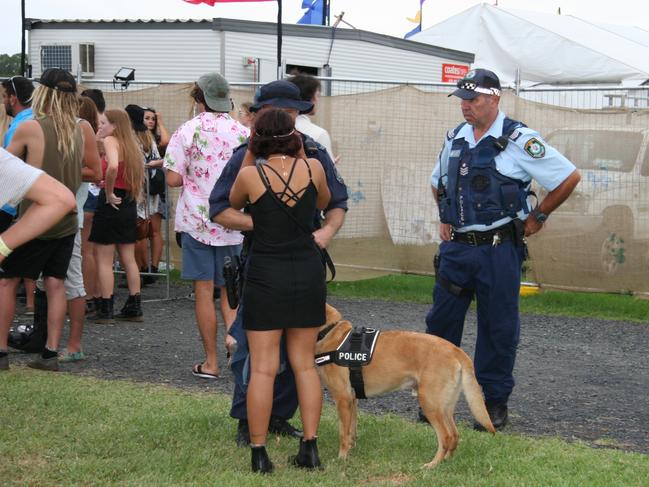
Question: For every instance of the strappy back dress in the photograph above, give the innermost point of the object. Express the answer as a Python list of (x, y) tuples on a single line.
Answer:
[(285, 276)]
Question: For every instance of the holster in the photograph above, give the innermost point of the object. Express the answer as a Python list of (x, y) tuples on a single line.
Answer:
[(231, 275), (519, 236)]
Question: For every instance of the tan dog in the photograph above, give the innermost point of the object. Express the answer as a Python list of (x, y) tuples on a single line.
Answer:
[(434, 368)]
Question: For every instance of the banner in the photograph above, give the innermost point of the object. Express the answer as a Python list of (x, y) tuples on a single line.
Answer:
[(453, 72)]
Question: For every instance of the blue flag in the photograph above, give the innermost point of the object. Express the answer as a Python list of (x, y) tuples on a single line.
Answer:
[(413, 32), (313, 15), (417, 20)]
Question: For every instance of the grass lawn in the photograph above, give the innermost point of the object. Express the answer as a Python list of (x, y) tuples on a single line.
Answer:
[(61, 429), (418, 289)]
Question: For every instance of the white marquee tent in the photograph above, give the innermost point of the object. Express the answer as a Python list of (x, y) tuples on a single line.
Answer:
[(545, 48)]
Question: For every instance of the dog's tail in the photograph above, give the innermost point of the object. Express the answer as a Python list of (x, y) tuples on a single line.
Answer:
[(473, 394)]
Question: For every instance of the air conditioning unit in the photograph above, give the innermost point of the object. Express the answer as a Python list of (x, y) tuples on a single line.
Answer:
[(70, 57)]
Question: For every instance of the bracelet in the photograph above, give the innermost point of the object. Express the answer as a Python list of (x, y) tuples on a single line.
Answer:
[(4, 250)]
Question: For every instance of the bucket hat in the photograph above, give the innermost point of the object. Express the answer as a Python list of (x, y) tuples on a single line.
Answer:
[(281, 94)]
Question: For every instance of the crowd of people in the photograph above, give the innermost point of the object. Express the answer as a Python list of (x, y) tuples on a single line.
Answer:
[(110, 160), (263, 187)]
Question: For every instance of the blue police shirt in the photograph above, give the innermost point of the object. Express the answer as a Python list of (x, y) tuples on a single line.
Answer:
[(18, 119), (526, 157), (220, 196)]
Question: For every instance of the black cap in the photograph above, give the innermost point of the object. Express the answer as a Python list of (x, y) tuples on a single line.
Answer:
[(477, 82), (58, 79), (281, 94), (136, 114)]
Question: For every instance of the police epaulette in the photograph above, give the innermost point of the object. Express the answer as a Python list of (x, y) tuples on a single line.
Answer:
[(450, 135), (311, 147)]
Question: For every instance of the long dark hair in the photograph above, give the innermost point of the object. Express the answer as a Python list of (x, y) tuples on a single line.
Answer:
[(274, 132)]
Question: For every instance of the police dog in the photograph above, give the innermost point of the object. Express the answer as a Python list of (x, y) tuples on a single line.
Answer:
[(435, 369)]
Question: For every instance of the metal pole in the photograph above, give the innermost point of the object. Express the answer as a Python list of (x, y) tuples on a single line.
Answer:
[(280, 75), (22, 39)]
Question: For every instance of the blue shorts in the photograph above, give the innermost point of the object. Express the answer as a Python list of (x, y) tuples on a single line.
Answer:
[(203, 262), (90, 206)]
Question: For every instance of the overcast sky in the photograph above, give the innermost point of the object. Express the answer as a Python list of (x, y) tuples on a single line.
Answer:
[(382, 16)]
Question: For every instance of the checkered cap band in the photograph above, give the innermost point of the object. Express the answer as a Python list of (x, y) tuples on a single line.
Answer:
[(472, 86)]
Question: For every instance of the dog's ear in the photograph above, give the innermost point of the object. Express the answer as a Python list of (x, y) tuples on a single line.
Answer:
[(333, 315)]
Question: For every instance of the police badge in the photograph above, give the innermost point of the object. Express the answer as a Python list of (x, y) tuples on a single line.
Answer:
[(535, 148)]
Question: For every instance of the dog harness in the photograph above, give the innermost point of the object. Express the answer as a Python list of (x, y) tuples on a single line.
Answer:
[(354, 352)]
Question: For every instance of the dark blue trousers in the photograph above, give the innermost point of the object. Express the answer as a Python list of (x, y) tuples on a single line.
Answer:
[(495, 275), (284, 393)]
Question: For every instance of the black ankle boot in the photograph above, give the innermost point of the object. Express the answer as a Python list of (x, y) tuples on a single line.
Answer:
[(146, 280), (93, 305), (105, 312), (259, 459), (132, 310), (307, 457)]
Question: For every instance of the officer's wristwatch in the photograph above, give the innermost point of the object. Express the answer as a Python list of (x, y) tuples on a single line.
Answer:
[(540, 216)]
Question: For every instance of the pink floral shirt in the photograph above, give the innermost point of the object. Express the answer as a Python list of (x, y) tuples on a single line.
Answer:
[(198, 151)]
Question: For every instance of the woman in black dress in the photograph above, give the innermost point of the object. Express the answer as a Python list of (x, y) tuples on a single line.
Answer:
[(285, 289)]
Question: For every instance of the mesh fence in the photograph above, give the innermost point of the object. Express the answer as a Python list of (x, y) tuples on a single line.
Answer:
[(388, 135)]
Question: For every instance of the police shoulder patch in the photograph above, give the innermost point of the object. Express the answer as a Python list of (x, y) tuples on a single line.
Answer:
[(515, 135), (535, 148)]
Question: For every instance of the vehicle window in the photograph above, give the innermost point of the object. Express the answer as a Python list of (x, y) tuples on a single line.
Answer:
[(607, 150)]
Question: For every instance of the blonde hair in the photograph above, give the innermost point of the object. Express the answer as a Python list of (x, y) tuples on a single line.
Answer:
[(62, 107), (146, 140), (129, 150)]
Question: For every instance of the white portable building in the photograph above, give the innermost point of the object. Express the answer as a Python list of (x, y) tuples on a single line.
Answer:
[(243, 51)]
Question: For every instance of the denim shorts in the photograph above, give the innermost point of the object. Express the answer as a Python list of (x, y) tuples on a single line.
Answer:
[(203, 262), (90, 206)]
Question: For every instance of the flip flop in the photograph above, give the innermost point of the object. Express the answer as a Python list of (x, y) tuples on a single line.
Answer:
[(197, 371)]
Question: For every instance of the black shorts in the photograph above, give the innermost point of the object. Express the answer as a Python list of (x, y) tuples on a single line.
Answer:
[(5, 221), (49, 257)]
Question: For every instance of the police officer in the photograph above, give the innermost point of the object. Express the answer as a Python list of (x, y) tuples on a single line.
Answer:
[(285, 95), (481, 183)]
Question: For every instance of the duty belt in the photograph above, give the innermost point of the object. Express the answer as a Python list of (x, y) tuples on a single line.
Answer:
[(491, 237)]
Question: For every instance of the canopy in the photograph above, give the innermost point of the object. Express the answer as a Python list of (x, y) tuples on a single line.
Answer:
[(546, 48)]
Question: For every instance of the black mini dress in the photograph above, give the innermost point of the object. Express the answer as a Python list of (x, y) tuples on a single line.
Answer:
[(285, 274)]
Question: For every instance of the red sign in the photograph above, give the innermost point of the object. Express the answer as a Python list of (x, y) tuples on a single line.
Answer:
[(453, 72)]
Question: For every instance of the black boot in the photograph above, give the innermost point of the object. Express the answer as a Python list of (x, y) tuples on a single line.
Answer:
[(307, 457), (105, 313), (259, 460), (93, 305), (498, 413), (132, 309), (146, 280)]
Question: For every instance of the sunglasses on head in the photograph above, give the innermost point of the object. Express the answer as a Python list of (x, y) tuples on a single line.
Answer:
[(13, 86)]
